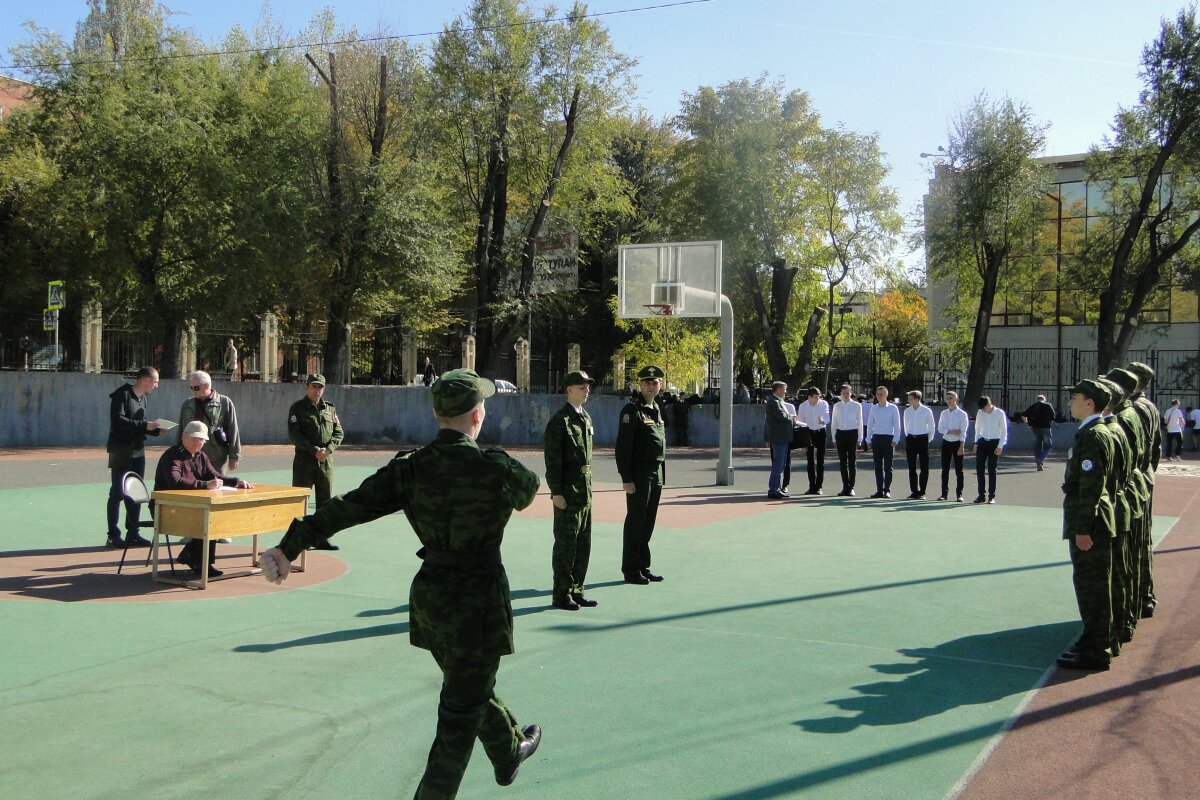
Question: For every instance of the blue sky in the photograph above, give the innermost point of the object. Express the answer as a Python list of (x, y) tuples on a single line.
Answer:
[(898, 68)]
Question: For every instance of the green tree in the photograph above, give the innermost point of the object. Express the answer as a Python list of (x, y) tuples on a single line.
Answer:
[(983, 212), (1151, 166)]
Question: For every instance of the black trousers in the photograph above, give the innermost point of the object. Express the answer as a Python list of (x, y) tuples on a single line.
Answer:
[(847, 444), (985, 458), (950, 455), (119, 465), (916, 449), (816, 458), (881, 451)]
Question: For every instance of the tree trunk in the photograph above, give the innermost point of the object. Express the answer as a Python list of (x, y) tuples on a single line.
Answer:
[(801, 369), (772, 322), (981, 357)]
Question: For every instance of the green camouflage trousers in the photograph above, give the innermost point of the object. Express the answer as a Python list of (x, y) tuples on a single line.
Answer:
[(1092, 576), (572, 550), (1143, 554), (468, 709), (308, 472)]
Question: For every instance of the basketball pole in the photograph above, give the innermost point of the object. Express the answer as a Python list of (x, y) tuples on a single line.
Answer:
[(725, 424)]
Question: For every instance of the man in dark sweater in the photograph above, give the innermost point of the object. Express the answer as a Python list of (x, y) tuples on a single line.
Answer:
[(1040, 417), (128, 428), (185, 466)]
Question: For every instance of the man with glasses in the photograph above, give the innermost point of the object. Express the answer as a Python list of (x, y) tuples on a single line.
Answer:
[(216, 411), (128, 427)]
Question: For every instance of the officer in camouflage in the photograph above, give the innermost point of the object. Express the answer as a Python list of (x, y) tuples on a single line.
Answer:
[(458, 499), (1137, 495), (316, 431), (1089, 525), (1119, 483), (568, 452), (641, 454), (1143, 540)]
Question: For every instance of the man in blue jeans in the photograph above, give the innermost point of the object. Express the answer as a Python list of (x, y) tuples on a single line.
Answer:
[(1040, 417), (779, 426)]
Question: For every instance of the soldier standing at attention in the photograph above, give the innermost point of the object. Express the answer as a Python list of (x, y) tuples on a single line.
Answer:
[(1136, 496), (1089, 526), (316, 431), (568, 452), (1144, 539), (458, 500), (641, 462), (1119, 482)]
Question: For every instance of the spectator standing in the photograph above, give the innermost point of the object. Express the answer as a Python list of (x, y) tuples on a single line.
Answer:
[(919, 430), (1194, 420), (231, 361), (952, 425), (991, 435), (883, 431), (1175, 424), (127, 432), (216, 411), (1040, 419), (846, 420), (813, 414), (779, 423), (427, 373)]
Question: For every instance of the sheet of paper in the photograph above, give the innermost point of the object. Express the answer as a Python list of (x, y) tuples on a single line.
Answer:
[(226, 489), (165, 424)]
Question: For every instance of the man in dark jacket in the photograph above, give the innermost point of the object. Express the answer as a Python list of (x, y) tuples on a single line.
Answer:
[(1040, 419), (185, 466), (128, 428)]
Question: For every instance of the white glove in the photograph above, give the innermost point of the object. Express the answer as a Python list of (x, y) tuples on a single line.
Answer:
[(275, 565)]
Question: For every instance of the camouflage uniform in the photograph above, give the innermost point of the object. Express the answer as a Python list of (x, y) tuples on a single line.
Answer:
[(1136, 498), (641, 454), (1088, 510), (568, 452), (1143, 540), (311, 427), (1121, 571), (458, 499)]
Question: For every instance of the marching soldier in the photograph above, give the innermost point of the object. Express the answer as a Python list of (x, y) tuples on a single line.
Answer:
[(316, 431), (568, 452), (641, 461), (1089, 526), (1144, 539), (458, 499)]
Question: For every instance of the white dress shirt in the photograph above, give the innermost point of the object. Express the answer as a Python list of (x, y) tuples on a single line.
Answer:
[(992, 426), (1196, 417), (953, 420), (885, 421), (1174, 420), (813, 415), (919, 421), (847, 415)]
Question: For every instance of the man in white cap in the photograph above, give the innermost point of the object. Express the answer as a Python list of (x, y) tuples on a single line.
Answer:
[(185, 466)]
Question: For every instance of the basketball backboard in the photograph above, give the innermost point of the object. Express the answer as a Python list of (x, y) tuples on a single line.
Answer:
[(680, 279)]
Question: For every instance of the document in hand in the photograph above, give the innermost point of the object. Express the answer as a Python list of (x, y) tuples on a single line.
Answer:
[(165, 424)]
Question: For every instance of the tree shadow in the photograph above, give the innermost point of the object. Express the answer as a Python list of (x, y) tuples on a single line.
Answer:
[(971, 670)]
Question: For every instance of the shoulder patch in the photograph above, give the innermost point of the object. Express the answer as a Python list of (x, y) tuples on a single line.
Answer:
[(626, 417), (1087, 465), (292, 418)]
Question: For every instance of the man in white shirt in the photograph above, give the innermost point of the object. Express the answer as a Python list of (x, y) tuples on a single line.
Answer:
[(883, 431), (918, 431), (991, 434), (846, 419), (1194, 418), (1174, 432), (814, 415), (952, 425)]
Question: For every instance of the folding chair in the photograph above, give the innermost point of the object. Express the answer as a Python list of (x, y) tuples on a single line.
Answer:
[(133, 489)]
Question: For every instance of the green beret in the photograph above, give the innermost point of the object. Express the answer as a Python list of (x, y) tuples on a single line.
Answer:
[(650, 373), (1093, 390), (578, 378), (1143, 371), (315, 378), (458, 391), (1123, 378)]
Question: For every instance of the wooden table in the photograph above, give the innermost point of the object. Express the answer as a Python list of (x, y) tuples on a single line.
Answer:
[(204, 514)]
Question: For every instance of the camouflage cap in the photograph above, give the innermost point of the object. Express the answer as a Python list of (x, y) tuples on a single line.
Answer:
[(650, 373), (315, 378), (1094, 390), (458, 391), (1143, 371), (1115, 391), (1123, 378), (578, 378)]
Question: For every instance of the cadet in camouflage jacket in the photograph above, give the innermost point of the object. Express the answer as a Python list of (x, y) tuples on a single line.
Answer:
[(458, 499), (1089, 526), (568, 453), (641, 453), (1143, 539)]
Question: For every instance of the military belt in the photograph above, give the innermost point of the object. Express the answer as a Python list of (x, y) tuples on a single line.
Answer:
[(463, 559)]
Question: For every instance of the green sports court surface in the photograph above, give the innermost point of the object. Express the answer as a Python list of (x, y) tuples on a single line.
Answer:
[(843, 648)]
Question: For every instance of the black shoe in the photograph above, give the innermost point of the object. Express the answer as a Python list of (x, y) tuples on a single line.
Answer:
[(785, 493), (135, 540), (325, 545), (638, 579), (1039, 466), (915, 496), (1125, 636), (566, 604), (213, 572), (887, 493), (979, 500), (958, 498), (584, 602), (941, 498), (1071, 660), (850, 492), (528, 746), (1147, 612), (776, 496), (188, 560), (650, 576), (114, 543), (878, 495)]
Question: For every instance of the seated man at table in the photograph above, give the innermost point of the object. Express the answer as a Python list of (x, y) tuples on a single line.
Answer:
[(185, 466)]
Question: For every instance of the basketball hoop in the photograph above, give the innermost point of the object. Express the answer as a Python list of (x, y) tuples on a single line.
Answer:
[(660, 309)]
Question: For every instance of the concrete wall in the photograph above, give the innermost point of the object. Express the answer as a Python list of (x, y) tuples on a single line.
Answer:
[(53, 409)]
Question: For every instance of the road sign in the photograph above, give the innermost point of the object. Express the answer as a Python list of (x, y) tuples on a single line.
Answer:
[(50, 319), (57, 296)]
